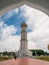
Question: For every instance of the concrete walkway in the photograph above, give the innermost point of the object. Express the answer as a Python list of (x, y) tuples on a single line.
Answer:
[(24, 61)]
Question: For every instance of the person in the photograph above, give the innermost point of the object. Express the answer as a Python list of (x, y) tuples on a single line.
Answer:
[(15, 56)]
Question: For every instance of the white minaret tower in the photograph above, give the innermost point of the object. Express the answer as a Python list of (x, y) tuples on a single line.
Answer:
[(23, 51), (24, 45)]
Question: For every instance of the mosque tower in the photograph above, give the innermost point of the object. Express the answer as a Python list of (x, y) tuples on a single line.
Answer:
[(23, 51), (24, 41)]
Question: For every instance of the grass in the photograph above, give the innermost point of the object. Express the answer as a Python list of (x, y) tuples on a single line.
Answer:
[(46, 58), (4, 58)]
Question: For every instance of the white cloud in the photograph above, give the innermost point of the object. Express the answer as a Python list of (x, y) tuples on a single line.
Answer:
[(38, 22), (7, 39), (11, 43), (9, 31)]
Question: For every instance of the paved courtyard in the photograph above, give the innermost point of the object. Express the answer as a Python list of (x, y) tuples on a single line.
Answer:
[(24, 61)]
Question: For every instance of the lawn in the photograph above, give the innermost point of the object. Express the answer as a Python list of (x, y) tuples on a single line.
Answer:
[(4, 58), (46, 58)]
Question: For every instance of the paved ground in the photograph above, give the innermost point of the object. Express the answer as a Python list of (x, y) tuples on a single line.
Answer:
[(24, 61)]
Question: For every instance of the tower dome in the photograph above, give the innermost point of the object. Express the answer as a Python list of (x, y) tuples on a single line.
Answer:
[(23, 24)]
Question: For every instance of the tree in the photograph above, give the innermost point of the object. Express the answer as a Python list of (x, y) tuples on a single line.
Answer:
[(38, 52)]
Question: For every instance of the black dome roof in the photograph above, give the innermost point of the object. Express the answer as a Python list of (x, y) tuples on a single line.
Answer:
[(23, 24)]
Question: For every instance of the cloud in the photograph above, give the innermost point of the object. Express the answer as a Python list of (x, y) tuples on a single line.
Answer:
[(38, 22), (11, 43), (7, 30), (8, 37), (39, 36)]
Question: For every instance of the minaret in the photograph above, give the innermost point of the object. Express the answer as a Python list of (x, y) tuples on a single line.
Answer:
[(23, 51), (24, 45)]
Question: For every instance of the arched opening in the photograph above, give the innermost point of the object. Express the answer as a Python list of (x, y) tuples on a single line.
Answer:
[(41, 17), (18, 4)]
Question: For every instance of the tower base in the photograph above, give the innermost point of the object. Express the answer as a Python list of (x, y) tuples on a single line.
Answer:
[(21, 54)]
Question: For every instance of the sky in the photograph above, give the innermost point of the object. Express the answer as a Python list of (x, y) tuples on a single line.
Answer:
[(37, 29)]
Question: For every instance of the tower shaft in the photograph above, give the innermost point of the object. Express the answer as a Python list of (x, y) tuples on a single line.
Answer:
[(24, 45)]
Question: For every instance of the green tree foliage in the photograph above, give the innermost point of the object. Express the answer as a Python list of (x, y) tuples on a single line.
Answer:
[(37, 52)]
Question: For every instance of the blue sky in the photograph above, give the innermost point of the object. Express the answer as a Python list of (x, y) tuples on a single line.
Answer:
[(37, 30), (15, 19)]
